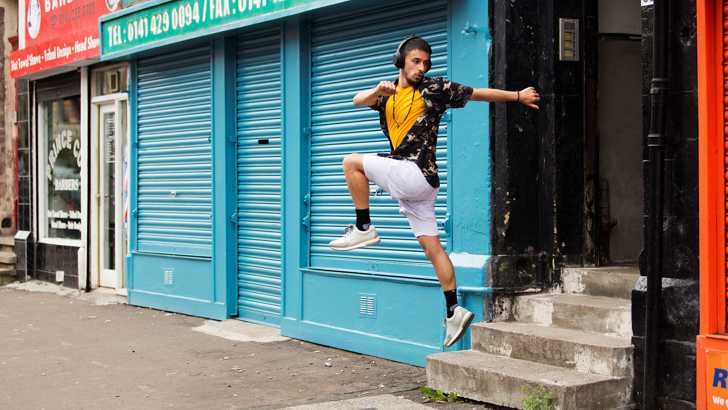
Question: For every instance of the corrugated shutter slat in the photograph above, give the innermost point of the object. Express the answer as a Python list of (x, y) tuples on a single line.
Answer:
[(259, 176), (174, 153), (352, 52)]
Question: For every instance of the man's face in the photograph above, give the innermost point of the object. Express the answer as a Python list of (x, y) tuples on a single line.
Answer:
[(415, 66)]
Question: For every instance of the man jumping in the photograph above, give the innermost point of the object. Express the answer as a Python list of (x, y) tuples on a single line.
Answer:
[(409, 113)]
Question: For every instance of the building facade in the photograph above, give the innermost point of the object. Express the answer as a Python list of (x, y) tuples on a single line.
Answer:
[(712, 347), (70, 180), (240, 115), (8, 138), (571, 183), (189, 152)]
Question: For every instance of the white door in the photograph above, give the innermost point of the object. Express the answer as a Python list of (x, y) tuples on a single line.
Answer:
[(109, 234)]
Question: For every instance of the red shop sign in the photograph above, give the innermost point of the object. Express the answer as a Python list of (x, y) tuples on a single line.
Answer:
[(58, 32)]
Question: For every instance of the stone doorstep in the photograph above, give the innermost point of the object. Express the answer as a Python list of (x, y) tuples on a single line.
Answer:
[(7, 258), (610, 281), (615, 269), (594, 313), (505, 381), (7, 241), (568, 348), (591, 313)]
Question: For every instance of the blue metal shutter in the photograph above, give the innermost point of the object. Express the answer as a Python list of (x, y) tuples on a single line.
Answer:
[(352, 52), (259, 175), (174, 153)]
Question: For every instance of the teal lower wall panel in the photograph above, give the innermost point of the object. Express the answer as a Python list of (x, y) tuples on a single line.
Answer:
[(347, 339), (171, 303), (175, 284), (392, 317)]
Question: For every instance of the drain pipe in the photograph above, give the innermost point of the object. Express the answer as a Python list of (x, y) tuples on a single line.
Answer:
[(655, 181)]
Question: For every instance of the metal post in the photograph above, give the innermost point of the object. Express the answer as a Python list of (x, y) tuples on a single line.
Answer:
[(655, 182)]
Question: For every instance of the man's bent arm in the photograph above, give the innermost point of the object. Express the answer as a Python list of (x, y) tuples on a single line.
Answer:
[(366, 98), (369, 97)]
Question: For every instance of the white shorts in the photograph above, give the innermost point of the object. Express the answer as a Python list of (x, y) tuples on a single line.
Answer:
[(404, 181)]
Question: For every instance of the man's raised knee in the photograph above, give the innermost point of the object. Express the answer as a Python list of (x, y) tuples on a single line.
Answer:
[(351, 162)]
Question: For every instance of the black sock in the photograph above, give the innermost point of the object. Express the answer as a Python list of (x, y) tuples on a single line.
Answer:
[(362, 219), (451, 299)]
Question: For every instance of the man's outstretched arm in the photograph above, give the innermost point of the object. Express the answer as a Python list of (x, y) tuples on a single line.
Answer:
[(528, 96)]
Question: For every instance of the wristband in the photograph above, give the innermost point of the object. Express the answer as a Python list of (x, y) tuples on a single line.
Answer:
[(518, 96)]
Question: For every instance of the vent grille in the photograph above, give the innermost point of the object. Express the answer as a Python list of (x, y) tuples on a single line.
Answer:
[(367, 305)]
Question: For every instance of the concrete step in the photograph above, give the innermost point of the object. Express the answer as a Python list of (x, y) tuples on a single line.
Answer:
[(7, 244), (590, 313), (569, 348), (7, 275), (7, 258), (609, 281), (505, 381)]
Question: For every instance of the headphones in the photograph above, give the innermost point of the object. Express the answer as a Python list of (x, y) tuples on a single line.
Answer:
[(398, 58)]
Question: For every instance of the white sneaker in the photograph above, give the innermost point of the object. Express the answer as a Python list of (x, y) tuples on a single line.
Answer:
[(457, 324), (354, 238)]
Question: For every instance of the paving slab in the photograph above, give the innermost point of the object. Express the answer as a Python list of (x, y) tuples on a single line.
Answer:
[(382, 402), (240, 331)]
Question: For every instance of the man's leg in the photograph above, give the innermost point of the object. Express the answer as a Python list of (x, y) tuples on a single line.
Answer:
[(363, 233), (443, 269), (356, 180), (440, 261), (458, 318)]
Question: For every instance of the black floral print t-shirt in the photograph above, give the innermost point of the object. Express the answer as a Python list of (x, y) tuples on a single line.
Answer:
[(420, 143)]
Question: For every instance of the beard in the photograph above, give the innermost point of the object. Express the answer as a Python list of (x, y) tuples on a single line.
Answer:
[(414, 80)]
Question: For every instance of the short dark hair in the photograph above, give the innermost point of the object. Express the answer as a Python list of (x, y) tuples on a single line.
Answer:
[(416, 44)]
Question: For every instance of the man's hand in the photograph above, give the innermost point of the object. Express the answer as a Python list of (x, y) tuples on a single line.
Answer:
[(386, 88), (529, 97)]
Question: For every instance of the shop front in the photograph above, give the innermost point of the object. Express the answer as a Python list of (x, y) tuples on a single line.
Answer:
[(712, 343), (240, 116), (58, 49)]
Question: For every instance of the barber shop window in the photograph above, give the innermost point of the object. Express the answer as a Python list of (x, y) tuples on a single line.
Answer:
[(59, 181)]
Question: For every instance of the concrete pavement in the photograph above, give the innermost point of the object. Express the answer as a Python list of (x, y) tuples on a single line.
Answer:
[(62, 349)]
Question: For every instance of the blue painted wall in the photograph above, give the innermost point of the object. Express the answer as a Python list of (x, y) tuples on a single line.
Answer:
[(201, 286), (405, 323)]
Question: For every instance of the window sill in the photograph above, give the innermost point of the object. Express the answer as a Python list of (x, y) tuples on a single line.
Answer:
[(61, 242)]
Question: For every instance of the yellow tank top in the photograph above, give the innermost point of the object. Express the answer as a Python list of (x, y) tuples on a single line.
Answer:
[(406, 100)]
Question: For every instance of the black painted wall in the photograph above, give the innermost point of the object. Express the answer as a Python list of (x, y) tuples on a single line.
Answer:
[(538, 178), (680, 309), (520, 217)]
